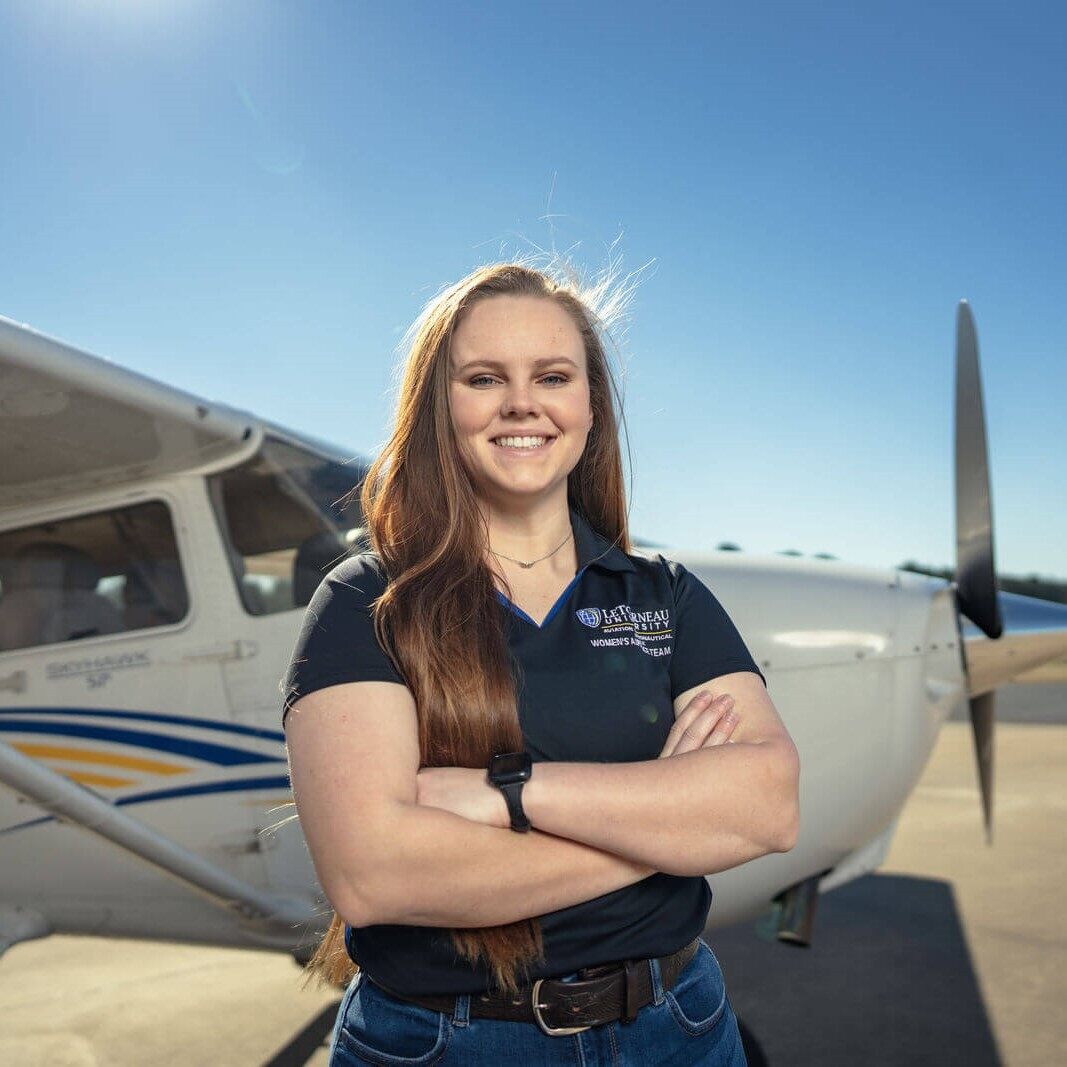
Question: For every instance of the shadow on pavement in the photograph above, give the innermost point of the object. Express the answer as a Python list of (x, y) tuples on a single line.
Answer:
[(308, 1041), (888, 979)]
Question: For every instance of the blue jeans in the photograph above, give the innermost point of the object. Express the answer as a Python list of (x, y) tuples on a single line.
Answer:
[(690, 1023)]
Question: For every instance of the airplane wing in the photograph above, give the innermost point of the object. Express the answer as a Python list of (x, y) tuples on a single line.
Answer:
[(73, 421), (1034, 632)]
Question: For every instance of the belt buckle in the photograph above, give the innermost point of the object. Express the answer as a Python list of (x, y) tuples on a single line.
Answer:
[(552, 1031)]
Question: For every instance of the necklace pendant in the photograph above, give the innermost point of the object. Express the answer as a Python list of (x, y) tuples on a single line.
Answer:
[(526, 566)]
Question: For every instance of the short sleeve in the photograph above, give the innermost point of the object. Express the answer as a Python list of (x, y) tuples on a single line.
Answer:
[(336, 642), (706, 641)]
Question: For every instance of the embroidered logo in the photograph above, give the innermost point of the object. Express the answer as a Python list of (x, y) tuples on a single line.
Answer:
[(649, 630)]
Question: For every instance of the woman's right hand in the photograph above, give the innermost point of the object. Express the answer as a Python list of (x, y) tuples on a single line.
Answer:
[(702, 723)]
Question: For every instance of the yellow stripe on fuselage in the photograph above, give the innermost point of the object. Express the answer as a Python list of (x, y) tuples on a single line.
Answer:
[(88, 778), (90, 755)]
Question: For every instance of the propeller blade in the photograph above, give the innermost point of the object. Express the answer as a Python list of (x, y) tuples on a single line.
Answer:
[(982, 722), (976, 579), (976, 574)]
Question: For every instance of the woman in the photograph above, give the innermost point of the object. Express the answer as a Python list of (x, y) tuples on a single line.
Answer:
[(546, 905)]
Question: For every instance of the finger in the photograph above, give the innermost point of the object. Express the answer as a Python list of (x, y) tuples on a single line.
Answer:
[(722, 730), (701, 730), (695, 722), (682, 720)]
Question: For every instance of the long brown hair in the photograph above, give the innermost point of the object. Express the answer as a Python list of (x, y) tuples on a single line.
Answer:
[(439, 618)]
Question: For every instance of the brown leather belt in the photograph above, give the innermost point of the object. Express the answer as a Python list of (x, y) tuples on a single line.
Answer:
[(600, 994)]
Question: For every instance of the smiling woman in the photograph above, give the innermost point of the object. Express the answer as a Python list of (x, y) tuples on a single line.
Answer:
[(499, 636), (508, 404)]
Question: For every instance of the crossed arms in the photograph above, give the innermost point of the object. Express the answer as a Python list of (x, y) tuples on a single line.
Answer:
[(384, 836)]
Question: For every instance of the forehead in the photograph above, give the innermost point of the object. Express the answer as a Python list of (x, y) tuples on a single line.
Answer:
[(516, 327)]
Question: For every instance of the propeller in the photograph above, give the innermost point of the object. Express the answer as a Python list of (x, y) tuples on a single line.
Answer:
[(976, 576)]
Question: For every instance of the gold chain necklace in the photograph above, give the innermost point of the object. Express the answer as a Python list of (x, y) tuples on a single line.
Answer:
[(527, 566)]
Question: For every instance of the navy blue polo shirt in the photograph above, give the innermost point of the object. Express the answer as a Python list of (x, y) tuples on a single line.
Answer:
[(595, 682)]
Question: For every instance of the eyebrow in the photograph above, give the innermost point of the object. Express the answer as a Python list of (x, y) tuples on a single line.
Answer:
[(542, 361)]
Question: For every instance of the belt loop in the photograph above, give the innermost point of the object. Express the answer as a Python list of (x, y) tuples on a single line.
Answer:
[(657, 981), (629, 1004), (461, 1012)]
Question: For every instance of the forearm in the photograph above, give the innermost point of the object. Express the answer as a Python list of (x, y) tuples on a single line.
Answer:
[(696, 812), (439, 869)]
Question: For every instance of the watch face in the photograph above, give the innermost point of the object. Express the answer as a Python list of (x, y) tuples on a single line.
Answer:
[(511, 767)]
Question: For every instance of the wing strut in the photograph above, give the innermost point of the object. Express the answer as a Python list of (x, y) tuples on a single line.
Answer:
[(81, 807)]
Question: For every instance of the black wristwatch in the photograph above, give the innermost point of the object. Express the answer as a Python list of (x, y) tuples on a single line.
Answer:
[(509, 771)]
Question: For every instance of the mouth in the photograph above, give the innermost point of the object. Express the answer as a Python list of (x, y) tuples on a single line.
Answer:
[(524, 445)]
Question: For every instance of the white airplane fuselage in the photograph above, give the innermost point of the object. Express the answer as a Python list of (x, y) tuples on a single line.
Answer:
[(180, 726)]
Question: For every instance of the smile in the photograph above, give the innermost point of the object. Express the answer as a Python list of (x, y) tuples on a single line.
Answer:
[(523, 446)]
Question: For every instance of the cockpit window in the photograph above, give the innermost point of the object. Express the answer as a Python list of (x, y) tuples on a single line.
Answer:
[(287, 515), (102, 573)]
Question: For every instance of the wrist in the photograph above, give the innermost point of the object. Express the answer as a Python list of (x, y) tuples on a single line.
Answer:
[(501, 815), (533, 791), (508, 773)]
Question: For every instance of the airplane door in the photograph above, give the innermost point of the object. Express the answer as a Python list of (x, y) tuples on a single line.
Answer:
[(279, 532), (115, 665)]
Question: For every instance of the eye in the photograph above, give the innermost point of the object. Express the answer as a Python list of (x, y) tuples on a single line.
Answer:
[(489, 378)]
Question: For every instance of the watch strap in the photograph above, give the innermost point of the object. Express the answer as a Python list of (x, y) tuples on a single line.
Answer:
[(513, 795)]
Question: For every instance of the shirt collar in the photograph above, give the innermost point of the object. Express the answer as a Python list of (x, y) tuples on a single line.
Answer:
[(591, 547)]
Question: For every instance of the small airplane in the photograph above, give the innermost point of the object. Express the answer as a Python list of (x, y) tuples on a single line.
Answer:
[(157, 551)]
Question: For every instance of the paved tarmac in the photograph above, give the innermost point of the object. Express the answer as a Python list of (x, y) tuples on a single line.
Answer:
[(952, 953)]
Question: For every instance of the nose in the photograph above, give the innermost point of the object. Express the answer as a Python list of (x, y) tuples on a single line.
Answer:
[(519, 399)]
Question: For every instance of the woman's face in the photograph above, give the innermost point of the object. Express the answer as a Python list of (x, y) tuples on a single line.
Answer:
[(518, 371)]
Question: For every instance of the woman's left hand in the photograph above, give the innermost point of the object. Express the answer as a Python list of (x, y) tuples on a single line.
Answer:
[(464, 791)]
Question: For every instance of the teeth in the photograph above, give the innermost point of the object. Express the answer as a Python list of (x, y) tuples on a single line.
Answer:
[(521, 442)]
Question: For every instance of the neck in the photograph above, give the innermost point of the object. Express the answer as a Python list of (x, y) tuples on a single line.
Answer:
[(531, 532)]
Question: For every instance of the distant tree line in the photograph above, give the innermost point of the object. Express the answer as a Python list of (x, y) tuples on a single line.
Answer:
[(1031, 585)]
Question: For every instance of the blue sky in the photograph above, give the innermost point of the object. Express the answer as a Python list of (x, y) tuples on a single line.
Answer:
[(252, 201)]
